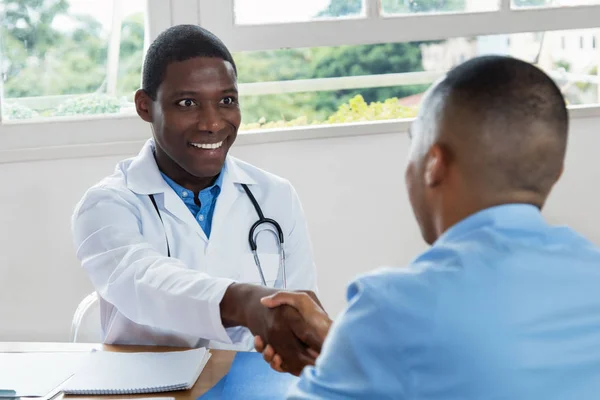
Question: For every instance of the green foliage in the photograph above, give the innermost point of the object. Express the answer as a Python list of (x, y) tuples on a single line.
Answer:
[(369, 60), (281, 107), (341, 8), (30, 22), (358, 110), (531, 3), (415, 6), (585, 86), (131, 55), (89, 105), (46, 61), (326, 62), (298, 109), (563, 64), (12, 111), (355, 110)]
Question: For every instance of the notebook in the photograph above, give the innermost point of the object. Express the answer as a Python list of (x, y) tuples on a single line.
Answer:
[(249, 378), (107, 373)]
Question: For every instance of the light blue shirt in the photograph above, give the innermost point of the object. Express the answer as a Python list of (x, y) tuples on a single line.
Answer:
[(208, 199), (503, 306)]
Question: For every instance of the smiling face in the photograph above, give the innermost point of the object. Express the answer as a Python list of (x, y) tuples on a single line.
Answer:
[(195, 118)]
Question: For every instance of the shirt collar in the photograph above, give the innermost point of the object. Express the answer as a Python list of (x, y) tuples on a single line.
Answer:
[(144, 177), (508, 216), (213, 189)]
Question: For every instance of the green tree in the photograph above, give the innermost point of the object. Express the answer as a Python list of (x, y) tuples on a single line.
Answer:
[(277, 65), (367, 60), (43, 60), (416, 6), (374, 59), (342, 8), (131, 55), (26, 30), (30, 22), (46, 60), (75, 62), (531, 3)]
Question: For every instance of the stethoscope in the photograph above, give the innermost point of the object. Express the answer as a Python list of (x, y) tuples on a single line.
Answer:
[(252, 235)]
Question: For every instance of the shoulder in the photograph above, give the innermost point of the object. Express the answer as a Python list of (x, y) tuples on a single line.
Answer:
[(411, 291), (112, 188)]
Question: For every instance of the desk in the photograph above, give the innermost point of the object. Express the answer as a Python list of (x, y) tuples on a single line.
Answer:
[(217, 366)]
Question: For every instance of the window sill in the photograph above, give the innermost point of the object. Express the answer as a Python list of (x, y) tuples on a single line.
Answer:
[(96, 136)]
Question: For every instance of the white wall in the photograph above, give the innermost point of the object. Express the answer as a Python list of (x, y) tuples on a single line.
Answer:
[(353, 193)]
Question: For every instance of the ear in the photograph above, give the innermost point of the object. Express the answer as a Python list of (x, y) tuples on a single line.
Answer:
[(436, 165), (143, 105)]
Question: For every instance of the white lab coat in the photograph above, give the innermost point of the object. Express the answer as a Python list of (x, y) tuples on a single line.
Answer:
[(148, 298)]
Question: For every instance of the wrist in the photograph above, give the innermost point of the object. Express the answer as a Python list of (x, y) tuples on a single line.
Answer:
[(239, 303)]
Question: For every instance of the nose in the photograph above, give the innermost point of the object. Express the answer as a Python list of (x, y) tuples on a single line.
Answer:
[(209, 118)]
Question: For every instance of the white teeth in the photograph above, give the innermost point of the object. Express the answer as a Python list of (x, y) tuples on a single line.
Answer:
[(207, 146)]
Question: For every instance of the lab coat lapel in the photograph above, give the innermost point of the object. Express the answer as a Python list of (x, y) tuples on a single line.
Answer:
[(231, 192), (176, 207), (144, 178)]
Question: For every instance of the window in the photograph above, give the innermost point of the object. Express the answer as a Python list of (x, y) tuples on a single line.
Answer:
[(364, 60), (250, 12), (387, 81), (553, 3), (70, 57), (395, 7), (312, 63)]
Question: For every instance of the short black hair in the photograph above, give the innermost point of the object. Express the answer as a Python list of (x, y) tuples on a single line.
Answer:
[(179, 43), (511, 120)]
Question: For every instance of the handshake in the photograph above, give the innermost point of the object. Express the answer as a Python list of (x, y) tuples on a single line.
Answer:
[(297, 326), (297, 333), (289, 327)]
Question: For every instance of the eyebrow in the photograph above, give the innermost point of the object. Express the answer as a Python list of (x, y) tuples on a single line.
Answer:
[(183, 93)]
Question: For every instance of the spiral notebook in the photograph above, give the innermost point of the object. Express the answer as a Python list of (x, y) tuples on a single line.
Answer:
[(107, 373)]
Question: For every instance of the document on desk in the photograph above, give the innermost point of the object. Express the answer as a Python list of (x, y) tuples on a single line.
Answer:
[(36, 374), (107, 373)]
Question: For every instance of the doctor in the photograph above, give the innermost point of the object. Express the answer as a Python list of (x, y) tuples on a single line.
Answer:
[(165, 238)]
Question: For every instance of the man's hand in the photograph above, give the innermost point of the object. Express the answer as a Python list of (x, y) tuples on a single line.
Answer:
[(282, 327), (313, 314)]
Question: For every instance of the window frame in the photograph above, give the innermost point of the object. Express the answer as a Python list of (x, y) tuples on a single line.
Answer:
[(90, 136), (373, 28)]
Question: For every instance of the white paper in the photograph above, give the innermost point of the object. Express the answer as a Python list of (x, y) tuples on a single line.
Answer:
[(115, 373), (36, 374)]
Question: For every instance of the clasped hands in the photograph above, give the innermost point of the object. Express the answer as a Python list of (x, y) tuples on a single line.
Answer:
[(295, 333)]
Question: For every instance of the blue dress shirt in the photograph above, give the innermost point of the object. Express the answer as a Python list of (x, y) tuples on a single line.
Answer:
[(207, 197), (502, 306)]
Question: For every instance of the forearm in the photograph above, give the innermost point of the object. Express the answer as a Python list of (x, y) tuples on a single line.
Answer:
[(163, 294)]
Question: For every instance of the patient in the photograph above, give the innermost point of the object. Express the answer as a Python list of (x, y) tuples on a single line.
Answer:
[(503, 305)]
